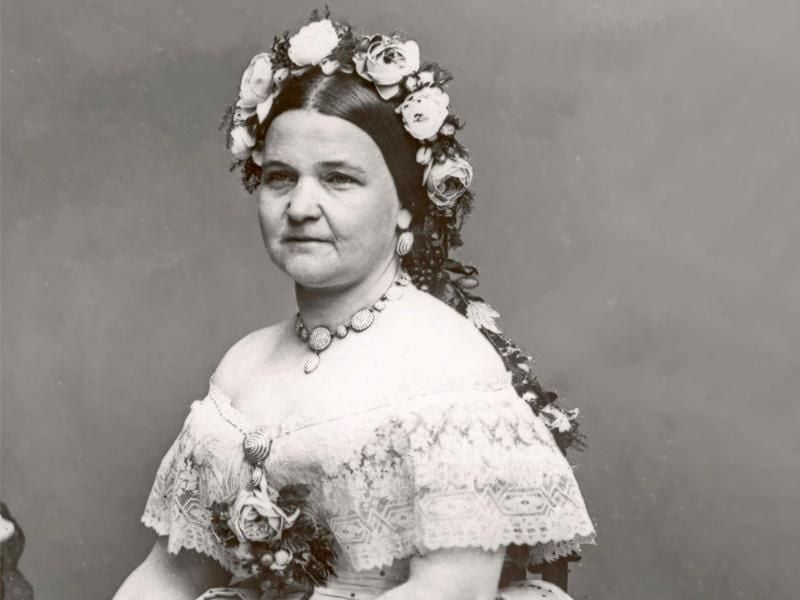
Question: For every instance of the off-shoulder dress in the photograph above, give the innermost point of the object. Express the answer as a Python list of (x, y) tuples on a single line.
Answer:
[(429, 447)]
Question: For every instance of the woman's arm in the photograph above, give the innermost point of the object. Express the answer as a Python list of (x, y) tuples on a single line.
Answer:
[(165, 576), (452, 574)]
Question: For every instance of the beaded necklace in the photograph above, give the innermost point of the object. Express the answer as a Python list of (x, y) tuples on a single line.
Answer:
[(321, 337)]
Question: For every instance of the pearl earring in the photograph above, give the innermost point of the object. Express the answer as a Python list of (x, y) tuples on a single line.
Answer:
[(404, 243)]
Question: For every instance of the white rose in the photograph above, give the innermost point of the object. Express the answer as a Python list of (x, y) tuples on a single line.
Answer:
[(447, 181), (256, 84), (424, 112), (242, 141), (312, 43), (386, 62), (256, 518)]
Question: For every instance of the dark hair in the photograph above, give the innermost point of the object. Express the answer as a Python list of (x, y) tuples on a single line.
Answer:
[(354, 99)]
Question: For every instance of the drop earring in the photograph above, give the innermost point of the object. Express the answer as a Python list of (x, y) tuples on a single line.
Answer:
[(404, 243), (406, 239)]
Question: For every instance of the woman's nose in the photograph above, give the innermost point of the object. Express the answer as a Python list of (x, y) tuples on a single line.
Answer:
[(303, 201)]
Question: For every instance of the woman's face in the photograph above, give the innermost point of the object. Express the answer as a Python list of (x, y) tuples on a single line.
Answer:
[(328, 206)]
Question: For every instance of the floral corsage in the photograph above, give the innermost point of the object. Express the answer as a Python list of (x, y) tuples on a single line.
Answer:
[(277, 538)]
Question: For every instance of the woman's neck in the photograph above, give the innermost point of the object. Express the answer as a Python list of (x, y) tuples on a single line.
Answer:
[(334, 306)]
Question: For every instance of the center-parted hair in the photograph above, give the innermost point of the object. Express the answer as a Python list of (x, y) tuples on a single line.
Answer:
[(354, 100)]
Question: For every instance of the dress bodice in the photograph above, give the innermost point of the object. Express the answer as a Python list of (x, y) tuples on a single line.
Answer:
[(454, 459)]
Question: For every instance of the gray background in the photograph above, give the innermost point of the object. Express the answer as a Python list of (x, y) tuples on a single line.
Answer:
[(637, 227)]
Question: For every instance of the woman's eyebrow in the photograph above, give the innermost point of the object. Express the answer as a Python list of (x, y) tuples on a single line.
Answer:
[(341, 164), (328, 164), (275, 163)]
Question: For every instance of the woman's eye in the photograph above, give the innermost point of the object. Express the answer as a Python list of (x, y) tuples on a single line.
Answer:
[(278, 177), (340, 179)]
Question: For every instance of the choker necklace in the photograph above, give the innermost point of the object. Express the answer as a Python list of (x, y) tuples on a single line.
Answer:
[(320, 338)]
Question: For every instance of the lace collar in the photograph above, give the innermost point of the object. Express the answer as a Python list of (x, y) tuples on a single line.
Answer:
[(409, 392)]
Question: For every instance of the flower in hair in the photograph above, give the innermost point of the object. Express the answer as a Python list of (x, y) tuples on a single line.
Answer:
[(313, 43), (242, 142), (447, 181), (386, 62), (257, 89), (256, 84), (424, 112)]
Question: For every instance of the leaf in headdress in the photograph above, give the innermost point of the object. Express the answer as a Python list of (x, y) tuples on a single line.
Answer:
[(483, 316)]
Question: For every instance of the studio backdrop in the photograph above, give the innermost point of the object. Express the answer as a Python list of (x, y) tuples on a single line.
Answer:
[(636, 225)]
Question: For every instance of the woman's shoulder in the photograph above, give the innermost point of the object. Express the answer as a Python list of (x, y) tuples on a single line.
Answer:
[(434, 336)]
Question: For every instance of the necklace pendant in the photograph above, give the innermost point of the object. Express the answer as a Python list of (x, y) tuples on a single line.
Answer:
[(362, 319), (312, 362), (395, 292), (320, 339)]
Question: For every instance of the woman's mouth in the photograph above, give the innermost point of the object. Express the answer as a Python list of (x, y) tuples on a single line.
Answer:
[(303, 240)]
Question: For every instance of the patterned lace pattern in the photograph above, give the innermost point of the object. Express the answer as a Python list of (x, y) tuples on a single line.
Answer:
[(452, 465)]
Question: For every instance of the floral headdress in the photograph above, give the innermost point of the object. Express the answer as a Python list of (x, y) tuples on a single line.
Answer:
[(393, 65)]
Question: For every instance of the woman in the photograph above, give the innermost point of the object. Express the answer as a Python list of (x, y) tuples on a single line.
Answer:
[(404, 429)]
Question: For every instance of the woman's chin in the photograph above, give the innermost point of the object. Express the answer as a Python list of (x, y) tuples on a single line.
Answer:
[(311, 272)]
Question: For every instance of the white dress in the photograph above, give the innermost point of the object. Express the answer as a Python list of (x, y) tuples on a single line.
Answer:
[(406, 457)]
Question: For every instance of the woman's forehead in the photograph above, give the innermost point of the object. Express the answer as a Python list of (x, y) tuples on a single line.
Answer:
[(304, 136)]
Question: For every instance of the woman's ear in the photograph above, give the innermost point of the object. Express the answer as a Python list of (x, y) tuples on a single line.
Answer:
[(404, 218)]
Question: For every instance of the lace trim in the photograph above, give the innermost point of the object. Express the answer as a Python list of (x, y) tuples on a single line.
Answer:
[(200, 467), (465, 425), (553, 550), (543, 551), (465, 467), (201, 542), (409, 392)]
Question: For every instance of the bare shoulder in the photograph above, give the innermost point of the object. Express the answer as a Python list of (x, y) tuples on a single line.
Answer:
[(443, 337), (254, 349)]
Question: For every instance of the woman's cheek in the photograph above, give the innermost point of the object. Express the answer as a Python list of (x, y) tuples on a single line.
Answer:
[(270, 221)]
